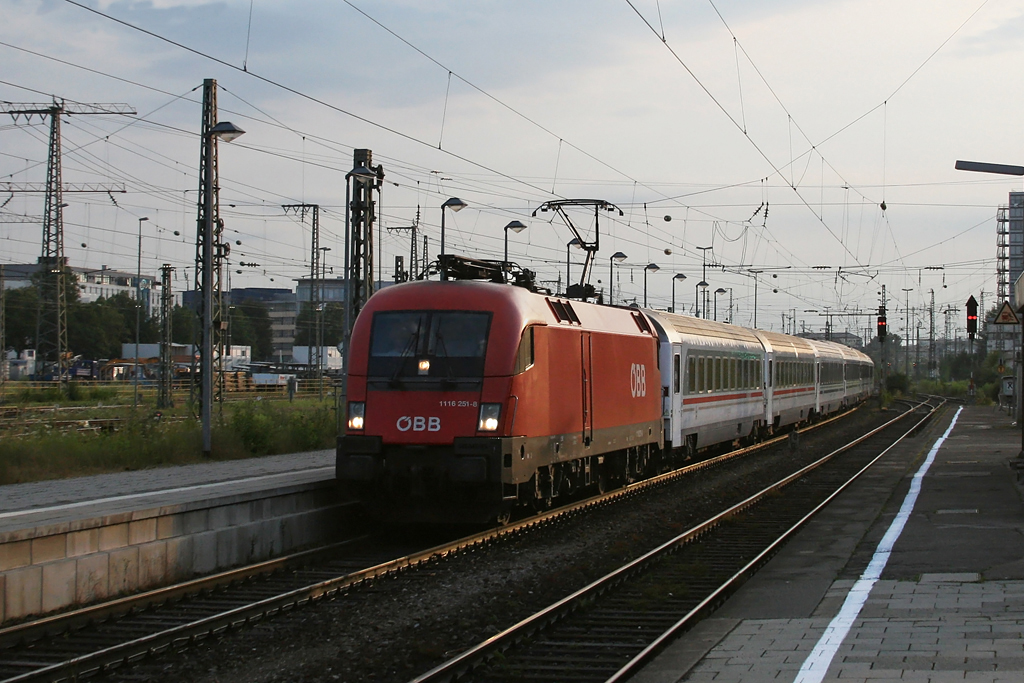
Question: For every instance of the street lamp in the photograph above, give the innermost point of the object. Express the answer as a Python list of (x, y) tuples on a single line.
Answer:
[(226, 131), (652, 268), (516, 227), (677, 277), (702, 285), (455, 204), (574, 242), (138, 312), (720, 290), (616, 257)]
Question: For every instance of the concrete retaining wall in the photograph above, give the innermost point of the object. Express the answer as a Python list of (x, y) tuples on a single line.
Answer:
[(53, 567)]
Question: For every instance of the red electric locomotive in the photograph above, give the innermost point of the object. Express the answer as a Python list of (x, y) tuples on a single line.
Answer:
[(467, 399)]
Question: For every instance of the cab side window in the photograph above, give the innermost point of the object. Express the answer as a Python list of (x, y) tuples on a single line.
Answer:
[(524, 356)]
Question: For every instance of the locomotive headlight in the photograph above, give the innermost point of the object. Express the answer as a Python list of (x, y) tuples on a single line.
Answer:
[(490, 413), (424, 366), (356, 413)]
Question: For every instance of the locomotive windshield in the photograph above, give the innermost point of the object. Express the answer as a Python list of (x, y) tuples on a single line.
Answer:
[(428, 345)]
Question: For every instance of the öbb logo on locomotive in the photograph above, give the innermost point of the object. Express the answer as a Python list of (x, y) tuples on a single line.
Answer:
[(638, 380), (418, 423)]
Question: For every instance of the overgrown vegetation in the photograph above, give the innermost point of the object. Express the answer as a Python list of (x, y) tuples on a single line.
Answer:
[(147, 440)]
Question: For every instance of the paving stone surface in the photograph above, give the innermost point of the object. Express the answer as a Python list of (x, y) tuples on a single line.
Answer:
[(949, 606), (16, 497)]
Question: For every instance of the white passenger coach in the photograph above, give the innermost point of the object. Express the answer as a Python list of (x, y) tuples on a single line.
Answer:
[(723, 383)]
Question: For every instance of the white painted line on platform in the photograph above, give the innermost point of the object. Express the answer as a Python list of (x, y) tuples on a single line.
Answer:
[(816, 665), (159, 492)]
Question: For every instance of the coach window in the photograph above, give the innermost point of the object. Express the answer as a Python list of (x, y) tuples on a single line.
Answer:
[(675, 373), (717, 381), (524, 356), (691, 371)]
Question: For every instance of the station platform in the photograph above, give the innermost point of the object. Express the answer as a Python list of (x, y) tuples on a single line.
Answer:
[(77, 541), (64, 500), (844, 602)]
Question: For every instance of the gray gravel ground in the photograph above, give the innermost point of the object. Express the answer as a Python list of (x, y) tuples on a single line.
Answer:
[(401, 627)]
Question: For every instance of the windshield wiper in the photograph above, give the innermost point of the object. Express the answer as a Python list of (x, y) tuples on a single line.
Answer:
[(448, 380), (411, 344)]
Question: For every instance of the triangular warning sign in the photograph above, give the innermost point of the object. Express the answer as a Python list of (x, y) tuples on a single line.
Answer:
[(1006, 316)]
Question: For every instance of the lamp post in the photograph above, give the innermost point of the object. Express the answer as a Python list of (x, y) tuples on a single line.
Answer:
[(677, 277), (226, 131), (455, 204), (704, 276), (616, 257), (516, 227), (720, 290), (652, 268), (698, 293), (574, 242), (138, 313)]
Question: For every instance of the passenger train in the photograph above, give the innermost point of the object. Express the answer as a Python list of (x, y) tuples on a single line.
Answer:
[(467, 399)]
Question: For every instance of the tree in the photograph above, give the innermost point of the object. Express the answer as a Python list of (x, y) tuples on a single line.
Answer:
[(250, 325), (333, 325), (183, 325), (22, 312), (95, 330)]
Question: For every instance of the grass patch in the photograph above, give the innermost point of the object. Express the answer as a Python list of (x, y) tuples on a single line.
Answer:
[(250, 428)]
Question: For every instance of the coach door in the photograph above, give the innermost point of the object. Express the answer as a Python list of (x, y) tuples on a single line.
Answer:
[(586, 373)]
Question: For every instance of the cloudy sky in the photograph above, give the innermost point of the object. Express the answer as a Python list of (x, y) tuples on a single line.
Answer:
[(771, 132)]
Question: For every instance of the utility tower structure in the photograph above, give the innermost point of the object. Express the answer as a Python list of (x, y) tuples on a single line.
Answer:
[(360, 215), (414, 270), (931, 335), (422, 274), (211, 252), (361, 210), (314, 359), (52, 344), (164, 397)]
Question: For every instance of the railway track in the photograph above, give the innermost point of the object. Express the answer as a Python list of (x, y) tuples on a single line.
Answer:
[(104, 637), (608, 630)]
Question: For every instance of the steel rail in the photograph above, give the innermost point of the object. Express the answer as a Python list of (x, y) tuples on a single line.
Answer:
[(57, 624), (457, 667), (132, 650)]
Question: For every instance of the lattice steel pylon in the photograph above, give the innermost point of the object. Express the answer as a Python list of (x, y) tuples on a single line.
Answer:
[(209, 200), (165, 397), (362, 210), (52, 345), (314, 363)]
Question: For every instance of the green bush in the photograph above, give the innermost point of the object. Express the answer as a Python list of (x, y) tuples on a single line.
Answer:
[(897, 383), (254, 426), (265, 427), (144, 440)]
